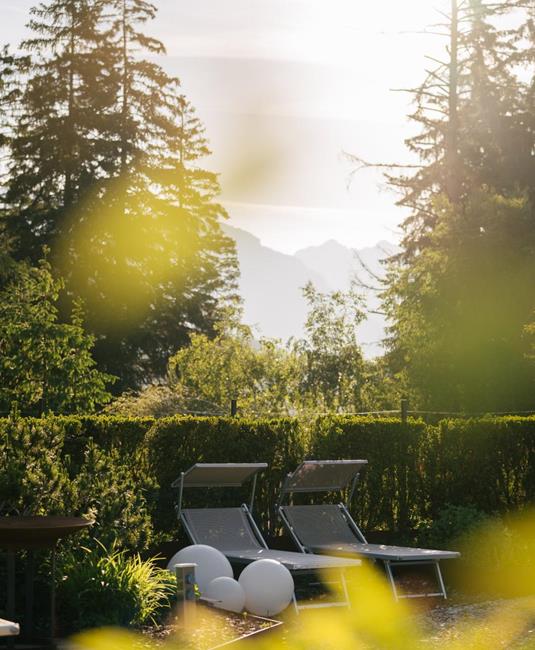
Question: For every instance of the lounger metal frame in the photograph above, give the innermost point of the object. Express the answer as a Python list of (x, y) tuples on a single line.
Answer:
[(181, 483), (287, 489)]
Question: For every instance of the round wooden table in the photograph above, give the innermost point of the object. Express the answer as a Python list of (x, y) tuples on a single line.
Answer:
[(27, 533)]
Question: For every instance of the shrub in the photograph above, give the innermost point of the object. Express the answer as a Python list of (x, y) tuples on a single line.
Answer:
[(485, 462), (120, 469), (53, 465), (452, 524), (111, 491), (101, 587), (34, 478)]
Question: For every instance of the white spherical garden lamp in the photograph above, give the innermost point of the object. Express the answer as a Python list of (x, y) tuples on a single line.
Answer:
[(210, 562), (226, 593), (268, 587)]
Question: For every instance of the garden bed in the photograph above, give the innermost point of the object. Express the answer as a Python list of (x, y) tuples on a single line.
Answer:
[(501, 623), (211, 628)]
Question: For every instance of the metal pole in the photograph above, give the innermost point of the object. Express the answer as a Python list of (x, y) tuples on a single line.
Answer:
[(283, 489), (251, 505), (186, 597), (180, 491), (352, 489)]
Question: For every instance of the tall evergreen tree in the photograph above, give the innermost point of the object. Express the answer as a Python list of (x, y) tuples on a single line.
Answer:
[(104, 168), (65, 93), (165, 267), (468, 242), (463, 112)]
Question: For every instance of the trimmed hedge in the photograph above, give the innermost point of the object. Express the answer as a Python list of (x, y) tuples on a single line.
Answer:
[(120, 469), (84, 466), (486, 462), (174, 444), (389, 488)]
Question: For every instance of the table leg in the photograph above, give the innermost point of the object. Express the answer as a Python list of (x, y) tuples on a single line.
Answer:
[(10, 609), (30, 575), (53, 595)]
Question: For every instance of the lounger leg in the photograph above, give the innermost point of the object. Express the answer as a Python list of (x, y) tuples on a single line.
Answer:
[(390, 575), (344, 587), (294, 600), (440, 580)]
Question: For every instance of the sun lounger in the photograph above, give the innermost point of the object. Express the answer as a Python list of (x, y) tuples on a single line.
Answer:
[(233, 531), (330, 529)]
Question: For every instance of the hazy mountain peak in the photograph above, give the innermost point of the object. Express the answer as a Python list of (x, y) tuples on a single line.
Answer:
[(239, 233), (271, 283)]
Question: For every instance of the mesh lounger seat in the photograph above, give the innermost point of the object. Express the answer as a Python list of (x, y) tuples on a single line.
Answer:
[(330, 529), (325, 529), (234, 532)]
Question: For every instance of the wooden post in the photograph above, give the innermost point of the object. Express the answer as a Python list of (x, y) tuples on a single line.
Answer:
[(233, 408), (404, 410), (403, 474)]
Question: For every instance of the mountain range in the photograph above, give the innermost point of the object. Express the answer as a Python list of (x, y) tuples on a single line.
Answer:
[(271, 282)]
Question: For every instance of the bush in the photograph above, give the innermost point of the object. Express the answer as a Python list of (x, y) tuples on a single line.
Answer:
[(101, 588), (53, 465), (34, 477), (112, 492), (452, 525)]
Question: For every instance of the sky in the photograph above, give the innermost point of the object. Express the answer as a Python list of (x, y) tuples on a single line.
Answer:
[(287, 88)]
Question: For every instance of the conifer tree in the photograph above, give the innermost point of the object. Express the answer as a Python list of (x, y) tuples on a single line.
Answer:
[(166, 269), (64, 95), (468, 249), (104, 168)]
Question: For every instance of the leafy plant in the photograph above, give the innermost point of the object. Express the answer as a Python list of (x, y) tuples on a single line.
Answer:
[(111, 491), (45, 364), (453, 523), (109, 587), (34, 479)]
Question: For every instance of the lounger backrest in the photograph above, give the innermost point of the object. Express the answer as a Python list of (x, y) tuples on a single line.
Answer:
[(319, 525), (227, 529)]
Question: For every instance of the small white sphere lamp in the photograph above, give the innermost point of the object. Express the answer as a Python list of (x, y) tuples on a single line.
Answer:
[(226, 593)]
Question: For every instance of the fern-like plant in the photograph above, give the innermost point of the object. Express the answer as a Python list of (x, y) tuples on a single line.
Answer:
[(110, 587)]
